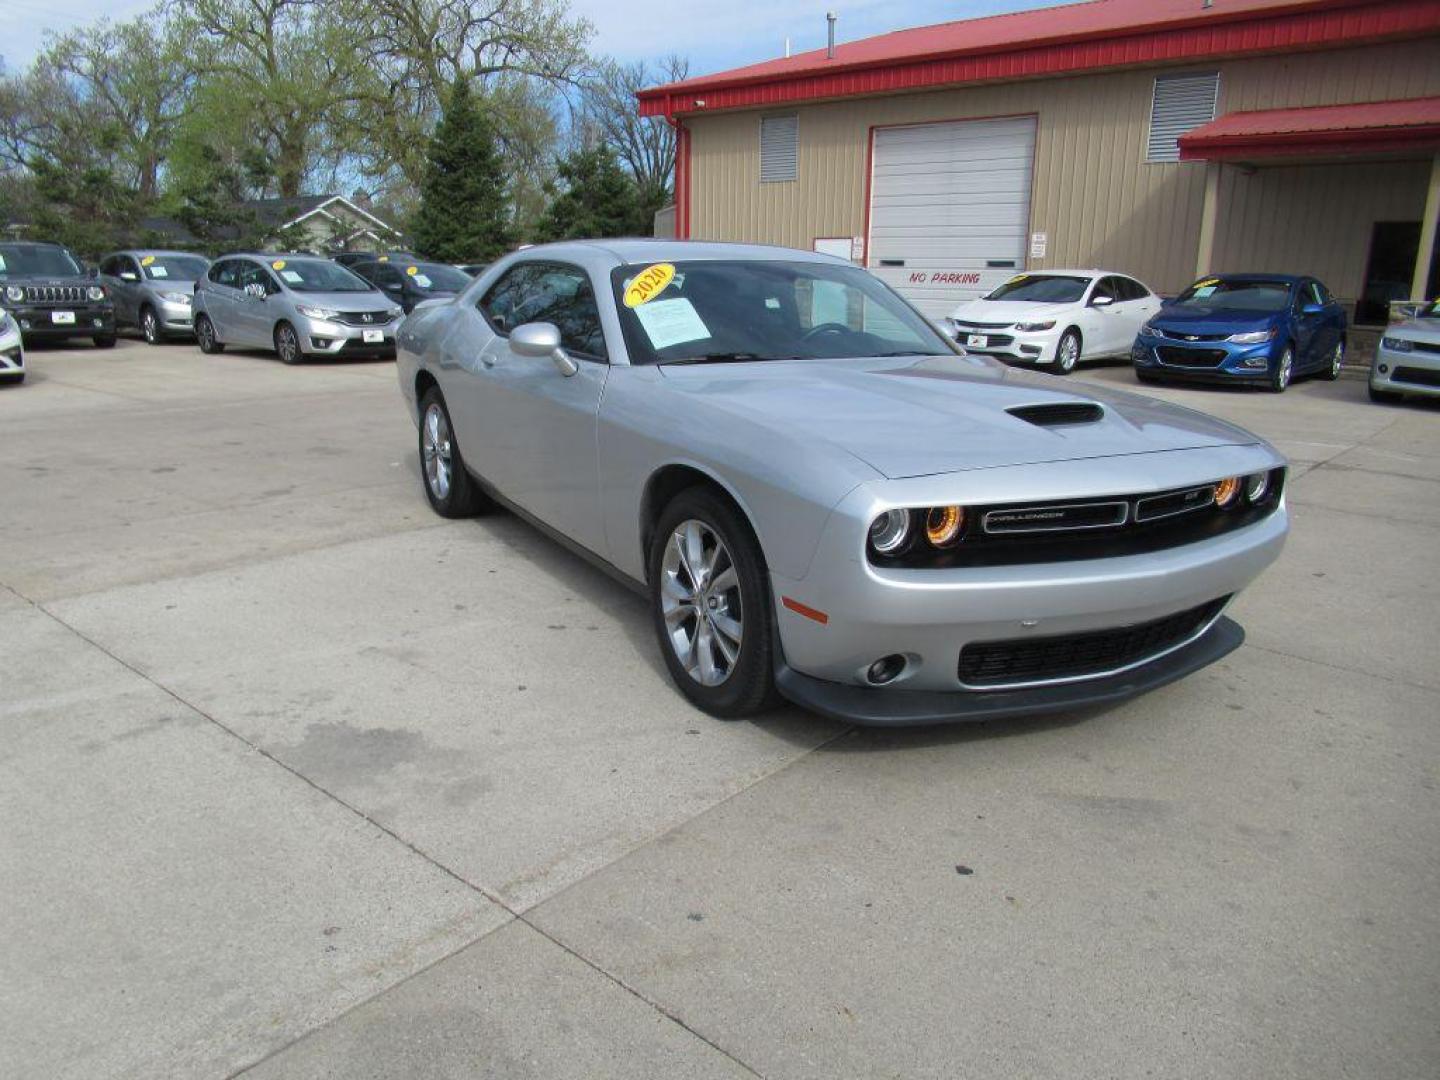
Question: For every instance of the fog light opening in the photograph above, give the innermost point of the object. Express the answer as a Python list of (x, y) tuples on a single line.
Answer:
[(1384, 368), (886, 670)]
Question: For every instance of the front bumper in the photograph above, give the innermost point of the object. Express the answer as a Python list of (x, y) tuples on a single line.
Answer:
[(874, 707), (929, 616), (1413, 372), (38, 323), (1204, 361), (176, 318), (322, 337), (12, 356), (1010, 344)]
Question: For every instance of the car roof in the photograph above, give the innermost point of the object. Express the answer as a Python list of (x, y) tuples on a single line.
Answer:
[(626, 250), (31, 243), (159, 251), (1289, 279)]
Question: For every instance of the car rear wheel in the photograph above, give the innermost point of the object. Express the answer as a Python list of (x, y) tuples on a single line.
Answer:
[(287, 344), (1067, 353), (1337, 361), (1385, 397), (205, 336), (711, 607), (149, 326), (1283, 370), (451, 490)]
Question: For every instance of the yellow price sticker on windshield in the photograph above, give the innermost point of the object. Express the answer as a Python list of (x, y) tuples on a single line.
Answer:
[(1206, 282), (383, 258), (1017, 279), (648, 284), (412, 270), (147, 260), (278, 264)]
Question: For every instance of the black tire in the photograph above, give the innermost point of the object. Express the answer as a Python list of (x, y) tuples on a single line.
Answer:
[(1385, 397), (104, 341), (749, 686), (205, 336), (1336, 362), (12, 380), (461, 496), (1146, 377), (1284, 371), (1068, 359), (150, 326), (287, 344)]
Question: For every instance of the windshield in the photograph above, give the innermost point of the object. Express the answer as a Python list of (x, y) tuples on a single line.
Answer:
[(173, 267), (318, 275), (1042, 289), (437, 277), (18, 260), (1214, 293), (761, 310)]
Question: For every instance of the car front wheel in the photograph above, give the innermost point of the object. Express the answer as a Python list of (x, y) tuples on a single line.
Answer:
[(451, 490), (287, 344), (205, 336), (1337, 361), (710, 605), (150, 326), (1067, 353), (1283, 370)]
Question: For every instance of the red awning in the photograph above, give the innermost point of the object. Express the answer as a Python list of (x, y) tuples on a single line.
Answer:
[(1375, 126)]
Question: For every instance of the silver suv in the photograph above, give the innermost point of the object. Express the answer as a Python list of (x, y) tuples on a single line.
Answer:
[(299, 305), (153, 290)]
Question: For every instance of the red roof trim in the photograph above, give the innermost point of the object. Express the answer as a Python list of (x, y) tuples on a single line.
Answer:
[(1314, 25), (1406, 124)]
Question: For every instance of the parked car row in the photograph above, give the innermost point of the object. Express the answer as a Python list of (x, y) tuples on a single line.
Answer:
[(1263, 329)]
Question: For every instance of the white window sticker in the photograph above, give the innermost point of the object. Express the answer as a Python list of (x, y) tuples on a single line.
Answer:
[(671, 322), (423, 280), (1203, 292), (291, 276), (159, 272), (2, 264)]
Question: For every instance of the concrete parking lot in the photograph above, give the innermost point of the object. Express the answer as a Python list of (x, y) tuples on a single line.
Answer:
[(300, 780)]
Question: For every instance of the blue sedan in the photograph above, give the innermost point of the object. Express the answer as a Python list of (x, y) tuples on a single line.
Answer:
[(1244, 328)]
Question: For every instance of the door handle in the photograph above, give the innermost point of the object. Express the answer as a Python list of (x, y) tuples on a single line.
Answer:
[(487, 360)]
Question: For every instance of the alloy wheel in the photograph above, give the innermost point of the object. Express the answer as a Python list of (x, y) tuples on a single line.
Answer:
[(287, 345), (700, 601), (1283, 373), (437, 452), (1337, 360), (150, 327), (205, 334), (1068, 353)]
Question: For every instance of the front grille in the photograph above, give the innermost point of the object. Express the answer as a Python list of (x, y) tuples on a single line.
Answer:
[(363, 318), (1191, 358), (1426, 346), (55, 294), (1075, 656), (1416, 375), (995, 341), (361, 348), (1176, 335), (980, 325)]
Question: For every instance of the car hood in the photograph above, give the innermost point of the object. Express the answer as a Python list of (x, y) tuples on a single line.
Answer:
[(921, 416), (1008, 311), (1417, 330), (1207, 320), (344, 301)]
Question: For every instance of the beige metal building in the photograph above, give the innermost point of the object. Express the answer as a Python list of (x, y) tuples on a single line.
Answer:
[(1163, 138)]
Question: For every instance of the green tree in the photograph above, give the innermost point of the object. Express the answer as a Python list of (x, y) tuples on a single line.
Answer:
[(86, 210), (463, 211), (594, 197)]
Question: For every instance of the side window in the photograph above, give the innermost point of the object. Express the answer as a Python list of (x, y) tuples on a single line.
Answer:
[(1315, 293), (226, 272), (1132, 289), (107, 266), (1107, 286), (548, 292), (256, 281), (129, 265), (388, 276)]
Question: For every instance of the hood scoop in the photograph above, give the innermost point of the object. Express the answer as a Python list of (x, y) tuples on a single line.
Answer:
[(1061, 414)]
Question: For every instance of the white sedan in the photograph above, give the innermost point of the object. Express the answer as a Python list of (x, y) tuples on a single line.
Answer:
[(12, 350), (1056, 318)]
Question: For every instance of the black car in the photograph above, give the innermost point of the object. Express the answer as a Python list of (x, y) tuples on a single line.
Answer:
[(408, 283), (47, 290), (350, 258)]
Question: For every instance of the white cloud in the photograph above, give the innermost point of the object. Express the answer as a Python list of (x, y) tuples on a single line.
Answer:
[(27, 22)]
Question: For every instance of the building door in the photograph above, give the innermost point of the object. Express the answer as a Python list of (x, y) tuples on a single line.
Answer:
[(1393, 247), (950, 208)]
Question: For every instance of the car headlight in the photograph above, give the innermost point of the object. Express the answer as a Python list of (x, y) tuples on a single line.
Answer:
[(1148, 330), (890, 532), (4, 321), (1257, 487), (394, 313), (943, 525), (1253, 337), (14, 294), (1032, 327), (1227, 492), (176, 298), (96, 292), (316, 312), (1397, 344)]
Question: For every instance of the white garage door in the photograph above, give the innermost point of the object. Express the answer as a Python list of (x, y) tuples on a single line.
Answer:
[(950, 208)]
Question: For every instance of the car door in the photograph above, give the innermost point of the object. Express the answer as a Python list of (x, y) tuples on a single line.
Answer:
[(534, 428), (254, 313), (221, 286), (1105, 320), (1310, 320)]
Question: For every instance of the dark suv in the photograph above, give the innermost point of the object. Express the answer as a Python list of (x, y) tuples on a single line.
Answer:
[(48, 292)]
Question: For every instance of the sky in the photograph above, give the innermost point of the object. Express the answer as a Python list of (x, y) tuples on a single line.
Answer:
[(714, 34)]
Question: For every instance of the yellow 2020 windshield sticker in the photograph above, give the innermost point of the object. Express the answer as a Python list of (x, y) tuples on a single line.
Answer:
[(648, 284), (147, 260), (412, 270), (278, 264)]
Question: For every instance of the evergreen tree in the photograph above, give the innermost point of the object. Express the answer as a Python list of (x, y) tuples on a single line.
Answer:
[(598, 199), (463, 206)]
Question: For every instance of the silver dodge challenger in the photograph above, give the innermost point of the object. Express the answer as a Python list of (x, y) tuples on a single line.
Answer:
[(826, 500)]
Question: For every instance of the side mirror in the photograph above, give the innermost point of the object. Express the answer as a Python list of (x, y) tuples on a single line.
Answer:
[(1102, 301), (129, 275), (541, 340), (1313, 309)]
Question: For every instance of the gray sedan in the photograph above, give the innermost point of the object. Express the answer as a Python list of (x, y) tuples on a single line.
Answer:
[(299, 305), (153, 290), (823, 498)]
